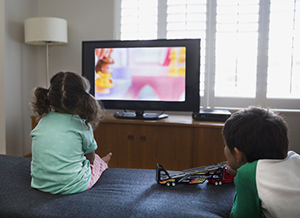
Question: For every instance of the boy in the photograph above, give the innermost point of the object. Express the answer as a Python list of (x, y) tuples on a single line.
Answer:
[(267, 175)]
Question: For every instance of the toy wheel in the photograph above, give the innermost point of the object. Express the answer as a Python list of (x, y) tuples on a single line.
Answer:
[(216, 183), (220, 183), (173, 184), (168, 184)]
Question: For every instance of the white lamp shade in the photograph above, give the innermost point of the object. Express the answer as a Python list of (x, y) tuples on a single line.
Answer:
[(40, 30)]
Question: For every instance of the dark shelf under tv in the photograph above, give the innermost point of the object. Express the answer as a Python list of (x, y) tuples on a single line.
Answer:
[(177, 142), (140, 115)]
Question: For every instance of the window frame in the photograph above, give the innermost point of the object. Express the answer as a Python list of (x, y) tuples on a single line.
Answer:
[(209, 100)]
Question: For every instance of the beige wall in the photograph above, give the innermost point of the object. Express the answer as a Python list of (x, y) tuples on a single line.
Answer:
[(87, 20), (293, 121), (19, 75), (22, 66), (2, 84)]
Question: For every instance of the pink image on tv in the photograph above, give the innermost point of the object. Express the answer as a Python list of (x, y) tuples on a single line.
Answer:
[(145, 74)]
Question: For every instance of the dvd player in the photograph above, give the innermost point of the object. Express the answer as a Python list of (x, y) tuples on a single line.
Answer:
[(211, 115)]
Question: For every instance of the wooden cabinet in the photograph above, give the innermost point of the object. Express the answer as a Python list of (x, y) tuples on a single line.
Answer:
[(208, 146), (177, 142)]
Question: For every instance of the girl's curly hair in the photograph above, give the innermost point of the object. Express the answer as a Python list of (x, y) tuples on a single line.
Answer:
[(68, 93)]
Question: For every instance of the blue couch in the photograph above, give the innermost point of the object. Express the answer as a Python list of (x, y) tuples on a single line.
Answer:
[(118, 193)]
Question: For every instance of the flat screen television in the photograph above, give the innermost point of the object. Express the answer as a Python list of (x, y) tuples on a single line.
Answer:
[(144, 75)]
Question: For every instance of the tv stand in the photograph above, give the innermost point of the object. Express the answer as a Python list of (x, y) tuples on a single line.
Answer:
[(177, 142), (140, 115)]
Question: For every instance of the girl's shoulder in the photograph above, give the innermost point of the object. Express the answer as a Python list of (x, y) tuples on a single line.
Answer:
[(62, 118), (61, 115)]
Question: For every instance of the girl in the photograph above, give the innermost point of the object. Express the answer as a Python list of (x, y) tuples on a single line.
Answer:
[(63, 145)]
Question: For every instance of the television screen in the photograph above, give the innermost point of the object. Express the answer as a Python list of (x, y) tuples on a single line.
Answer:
[(140, 74), (144, 75)]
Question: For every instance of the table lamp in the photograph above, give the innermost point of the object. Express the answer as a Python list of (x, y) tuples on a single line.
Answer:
[(46, 31)]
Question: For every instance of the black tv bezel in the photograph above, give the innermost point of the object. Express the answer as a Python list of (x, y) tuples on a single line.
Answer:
[(192, 98)]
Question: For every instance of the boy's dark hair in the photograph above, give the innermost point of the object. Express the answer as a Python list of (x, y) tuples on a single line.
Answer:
[(259, 133), (68, 93)]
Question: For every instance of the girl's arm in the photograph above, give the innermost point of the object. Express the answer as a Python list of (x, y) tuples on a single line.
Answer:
[(90, 157)]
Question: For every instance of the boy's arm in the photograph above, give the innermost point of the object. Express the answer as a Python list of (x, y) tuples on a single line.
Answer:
[(246, 201)]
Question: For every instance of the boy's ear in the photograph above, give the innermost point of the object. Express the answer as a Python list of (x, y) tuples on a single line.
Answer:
[(240, 156)]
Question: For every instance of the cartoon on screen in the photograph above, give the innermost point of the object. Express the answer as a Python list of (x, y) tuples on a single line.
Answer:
[(144, 73)]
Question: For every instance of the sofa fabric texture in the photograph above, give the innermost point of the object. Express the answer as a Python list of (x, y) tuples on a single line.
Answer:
[(120, 192)]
